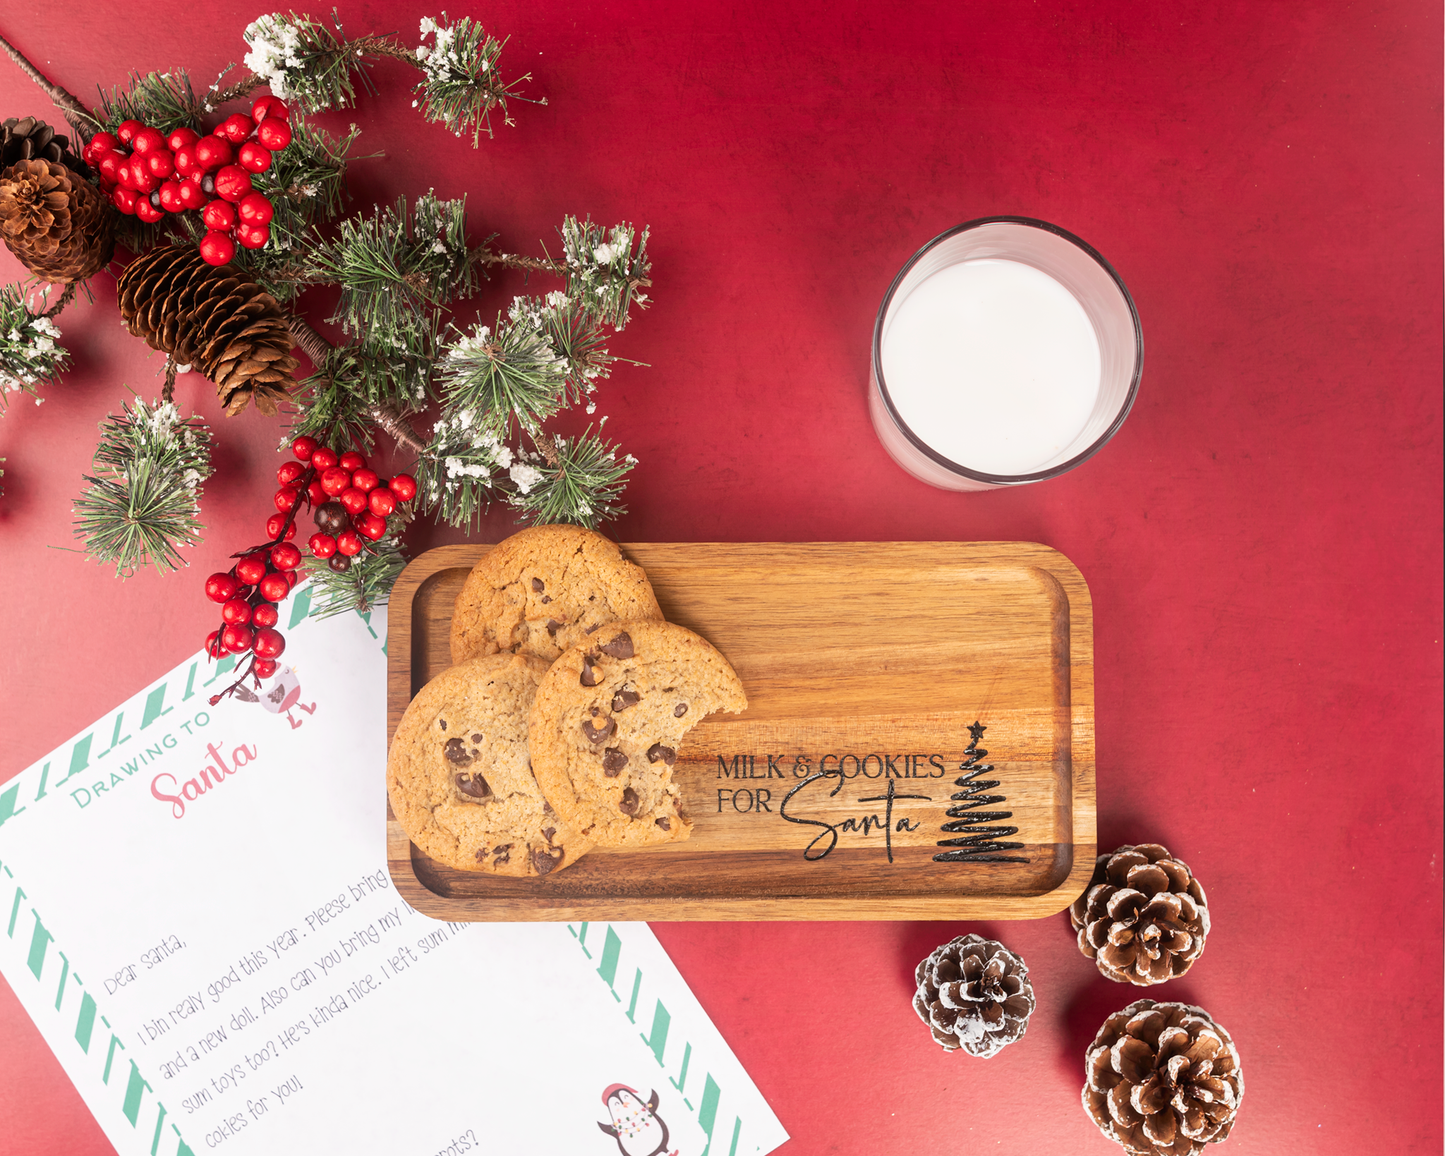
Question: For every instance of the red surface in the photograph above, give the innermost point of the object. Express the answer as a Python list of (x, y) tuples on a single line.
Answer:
[(1262, 539)]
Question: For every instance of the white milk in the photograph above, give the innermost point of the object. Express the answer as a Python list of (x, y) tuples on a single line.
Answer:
[(993, 364)]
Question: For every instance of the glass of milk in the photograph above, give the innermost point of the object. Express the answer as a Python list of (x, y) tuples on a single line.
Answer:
[(1006, 351)]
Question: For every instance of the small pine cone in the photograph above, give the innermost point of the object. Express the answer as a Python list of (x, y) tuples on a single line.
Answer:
[(28, 139), (1162, 1079), (213, 318), (974, 994), (1144, 917), (54, 221)]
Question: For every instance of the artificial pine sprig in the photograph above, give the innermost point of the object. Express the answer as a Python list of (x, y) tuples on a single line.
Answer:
[(577, 336), (506, 375), (462, 85), (142, 506), (305, 63), (603, 272), (30, 355), (163, 100), (577, 482)]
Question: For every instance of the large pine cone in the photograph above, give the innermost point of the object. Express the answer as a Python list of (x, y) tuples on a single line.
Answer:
[(1144, 917), (974, 994), (55, 222), (27, 139), (214, 318), (1163, 1079)]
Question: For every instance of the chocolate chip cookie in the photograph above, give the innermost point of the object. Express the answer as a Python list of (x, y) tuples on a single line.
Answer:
[(609, 719), (545, 589), (459, 777)]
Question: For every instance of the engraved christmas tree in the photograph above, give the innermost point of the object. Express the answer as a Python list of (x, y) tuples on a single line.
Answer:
[(976, 842)]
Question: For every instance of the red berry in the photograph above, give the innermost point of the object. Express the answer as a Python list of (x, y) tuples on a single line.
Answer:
[(323, 457), (348, 543), (254, 158), (255, 209), (171, 201), (252, 568), (146, 210), (351, 460), (269, 106), (317, 495), (109, 166), (190, 195), (269, 643), (335, 479), (232, 183), (219, 215), (276, 525), (365, 480), (214, 646), (253, 236), (304, 447), (289, 472), (147, 140), (353, 499), (372, 526), (124, 200), (381, 501), (404, 487), (286, 498), (179, 138), (102, 143), (293, 577), (264, 667), (217, 248), (274, 133), (142, 180), (321, 545), (275, 586), (285, 556), (212, 152), (127, 130), (237, 638), (221, 587), (185, 161), (161, 163), (236, 612), (265, 614), (235, 128)]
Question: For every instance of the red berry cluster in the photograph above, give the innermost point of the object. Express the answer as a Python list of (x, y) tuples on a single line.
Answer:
[(350, 502), (185, 171)]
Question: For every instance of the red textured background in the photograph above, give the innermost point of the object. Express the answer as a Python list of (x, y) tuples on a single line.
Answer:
[(1262, 539)]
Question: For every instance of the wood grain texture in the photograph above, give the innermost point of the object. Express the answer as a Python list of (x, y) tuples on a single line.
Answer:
[(864, 665)]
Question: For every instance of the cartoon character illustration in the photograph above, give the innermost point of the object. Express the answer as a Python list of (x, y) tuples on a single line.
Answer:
[(637, 1128), (283, 694)]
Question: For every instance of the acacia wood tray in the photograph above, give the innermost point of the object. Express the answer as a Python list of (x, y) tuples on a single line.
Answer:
[(865, 664)]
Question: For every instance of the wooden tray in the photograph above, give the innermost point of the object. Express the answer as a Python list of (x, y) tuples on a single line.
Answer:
[(872, 657)]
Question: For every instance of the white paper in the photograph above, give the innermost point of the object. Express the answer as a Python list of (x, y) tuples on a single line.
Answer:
[(196, 912)]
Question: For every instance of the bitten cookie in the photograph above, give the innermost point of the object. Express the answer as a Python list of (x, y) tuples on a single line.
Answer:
[(545, 589), (607, 723), (459, 778)]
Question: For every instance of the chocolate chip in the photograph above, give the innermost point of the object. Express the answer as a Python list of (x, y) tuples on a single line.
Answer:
[(664, 822), (624, 699), (546, 806), (597, 734), (476, 738), (546, 598), (613, 760), (679, 710), (545, 858), (441, 722), (474, 786), (589, 676), (619, 647), (553, 626), (630, 802), (593, 629), (503, 854), (538, 585), (659, 753), (456, 752), (548, 832)]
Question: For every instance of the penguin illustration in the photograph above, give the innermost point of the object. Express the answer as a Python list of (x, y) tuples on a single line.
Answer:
[(637, 1128), (281, 696)]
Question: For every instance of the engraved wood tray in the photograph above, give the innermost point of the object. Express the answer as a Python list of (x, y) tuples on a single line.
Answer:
[(836, 793)]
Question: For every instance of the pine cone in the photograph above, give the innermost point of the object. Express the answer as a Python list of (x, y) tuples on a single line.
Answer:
[(54, 221), (974, 994), (1162, 1079), (27, 139), (1144, 917), (214, 318)]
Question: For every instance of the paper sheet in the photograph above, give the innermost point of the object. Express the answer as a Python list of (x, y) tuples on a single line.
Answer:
[(197, 914)]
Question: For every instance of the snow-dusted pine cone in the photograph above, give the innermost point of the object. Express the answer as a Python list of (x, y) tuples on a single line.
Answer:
[(974, 994), (1144, 917), (1162, 1079)]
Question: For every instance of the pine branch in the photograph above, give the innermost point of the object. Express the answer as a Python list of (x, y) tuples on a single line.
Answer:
[(30, 356), (461, 86), (581, 486), (141, 508), (162, 100), (305, 63), (602, 271), (494, 378)]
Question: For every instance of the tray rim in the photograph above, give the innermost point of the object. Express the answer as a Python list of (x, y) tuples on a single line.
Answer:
[(1082, 796)]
